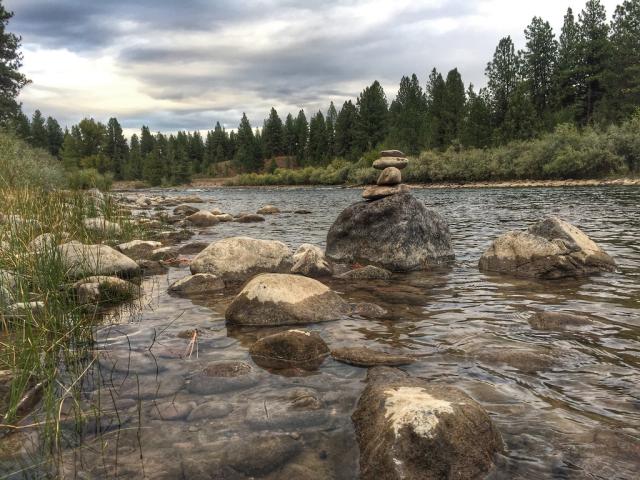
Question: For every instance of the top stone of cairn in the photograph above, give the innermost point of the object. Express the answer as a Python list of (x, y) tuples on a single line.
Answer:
[(391, 153)]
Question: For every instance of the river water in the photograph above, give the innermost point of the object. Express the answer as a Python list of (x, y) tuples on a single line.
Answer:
[(573, 414)]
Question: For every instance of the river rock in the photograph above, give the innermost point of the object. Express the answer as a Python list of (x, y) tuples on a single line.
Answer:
[(551, 248), (411, 429), (224, 217), (398, 233), (43, 243), (375, 192), (309, 260), (386, 162), (203, 218), (165, 253), (368, 310), (210, 411), (557, 321), (102, 226), (185, 210), (258, 455), (190, 199), (129, 362), (199, 283), (278, 299), (526, 359), (237, 259), (172, 410), (152, 267), (81, 260), (221, 377), (370, 272), (290, 349), (104, 289), (25, 309), (250, 218), (291, 410), (192, 248), (390, 176), (367, 357), (268, 210), (139, 249)]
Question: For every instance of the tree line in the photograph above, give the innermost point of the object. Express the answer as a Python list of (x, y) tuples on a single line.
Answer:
[(588, 75)]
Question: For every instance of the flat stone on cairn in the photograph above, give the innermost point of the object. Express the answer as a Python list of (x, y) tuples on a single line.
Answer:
[(390, 180)]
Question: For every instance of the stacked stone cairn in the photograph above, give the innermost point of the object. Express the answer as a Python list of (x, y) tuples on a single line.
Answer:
[(390, 180)]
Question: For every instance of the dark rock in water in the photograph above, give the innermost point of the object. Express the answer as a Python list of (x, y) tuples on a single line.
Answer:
[(200, 283), (192, 248), (369, 272), (398, 233), (210, 410), (250, 218), (260, 455), (273, 299), (368, 310), (292, 409), (302, 212), (221, 377), (185, 210), (551, 248), (411, 429), (366, 357), (527, 360), (292, 348), (152, 267), (557, 321)]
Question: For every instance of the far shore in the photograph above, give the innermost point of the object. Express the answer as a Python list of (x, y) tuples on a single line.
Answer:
[(220, 182)]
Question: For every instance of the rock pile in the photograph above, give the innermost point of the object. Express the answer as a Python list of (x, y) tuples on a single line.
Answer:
[(390, 180)]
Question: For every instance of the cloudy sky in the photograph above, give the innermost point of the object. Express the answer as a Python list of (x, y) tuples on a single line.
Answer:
[(187, 64)]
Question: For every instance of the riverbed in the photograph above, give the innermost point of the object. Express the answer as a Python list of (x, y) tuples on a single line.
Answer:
[(577, 416)]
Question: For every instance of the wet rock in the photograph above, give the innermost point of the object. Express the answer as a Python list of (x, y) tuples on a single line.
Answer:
[(390, 176), (139, 249), (551, 248), (151, 387), (185, 210), (386, 162), (225, 217), (197, 284), (260, 455), (398, 233), (557, 321), (302, 211), (411, 429), (189, 199), (152, 267), (192, 248), (250, 218), (210, 411), (172, 410), (310, 261), (169, 237), (81, 260), (290, 349), (527, 360), (367, 357), (129, 362), (105, 290), (268, 210), (237, 259), (368, 310), (221, 377), (203, 219), (293, 409), (369, 272), (375, 192), (280, 299), (165, 253), (102, 226)]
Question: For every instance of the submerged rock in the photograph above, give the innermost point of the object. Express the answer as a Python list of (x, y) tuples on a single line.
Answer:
[(210, 410), (290, 349), (557, 321), (398, 233), (250, 218), (192, 248), (411, 429), (258, 455), (368, 310), (197, 284), (527, 360), (309, 260), (81, 260), (367, 357), (237, 259), (152, 267), (551, 248), (280, 299), (221, 377), (172, 410), (369, 272), (290, 410), (139, 249)]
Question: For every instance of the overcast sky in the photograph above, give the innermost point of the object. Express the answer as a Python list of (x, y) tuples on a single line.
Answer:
[(187, 64)]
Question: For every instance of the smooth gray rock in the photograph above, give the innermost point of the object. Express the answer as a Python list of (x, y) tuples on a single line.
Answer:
[(81, 260), (139, 249), (370, 272), (199, 283), (309, 260), (222, 377), (390, 176), (290, 349)]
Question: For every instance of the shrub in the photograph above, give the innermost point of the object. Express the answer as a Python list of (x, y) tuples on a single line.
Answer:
[(90, 178)]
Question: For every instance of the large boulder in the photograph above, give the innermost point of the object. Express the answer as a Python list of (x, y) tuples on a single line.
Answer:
[(237, 259), (290, 349), (411, 429), (397, 232), (551, 248), (279, 299), (81, 260), (309, 260)]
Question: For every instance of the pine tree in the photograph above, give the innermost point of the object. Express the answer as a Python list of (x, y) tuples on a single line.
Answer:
[(520, 121), (302, 137), (477, 128), (435, 94), (408, 115), (11, 80), (330, 120), (289, 136), (195, 153), (318, 140), (594, 50), (247, 157), (566, 72), (502, 74), (154, 162), (115, 148), (147, 141), (539, 64), (133, 170), (71, 149), (454, 111), (373, 112), (55, 136), (20, 124), (273, 135), (178, 159), (347, 123), (38, 137)]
